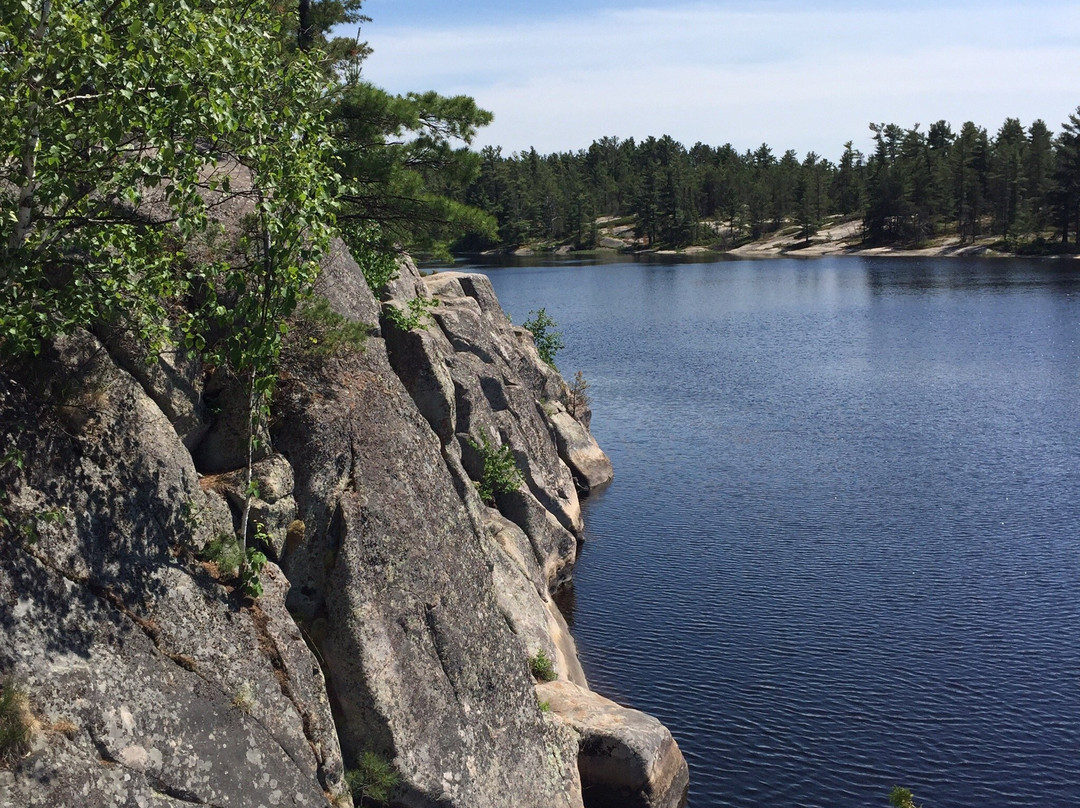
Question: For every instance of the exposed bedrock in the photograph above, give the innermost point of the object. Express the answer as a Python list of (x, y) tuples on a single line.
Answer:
[(416, 611), (149, 678), (477, 379), (394, 583)]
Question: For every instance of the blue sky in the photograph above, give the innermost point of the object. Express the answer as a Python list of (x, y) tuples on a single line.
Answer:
[(807, 76)]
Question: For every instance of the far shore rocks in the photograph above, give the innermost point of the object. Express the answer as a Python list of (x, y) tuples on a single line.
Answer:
[(835, 237)]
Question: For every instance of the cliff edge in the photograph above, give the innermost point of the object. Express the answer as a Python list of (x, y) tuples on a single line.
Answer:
[(403, 614)]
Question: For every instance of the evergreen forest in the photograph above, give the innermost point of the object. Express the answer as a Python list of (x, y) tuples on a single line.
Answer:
[(1019, 186)]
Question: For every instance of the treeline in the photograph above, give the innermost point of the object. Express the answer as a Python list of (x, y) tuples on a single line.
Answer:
[(1019, 183)]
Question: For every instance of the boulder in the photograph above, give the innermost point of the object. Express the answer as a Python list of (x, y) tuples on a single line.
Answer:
[(627, 759), (273, 509), (587, 461)]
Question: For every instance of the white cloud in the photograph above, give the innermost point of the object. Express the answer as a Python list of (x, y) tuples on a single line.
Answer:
[(791, 78)]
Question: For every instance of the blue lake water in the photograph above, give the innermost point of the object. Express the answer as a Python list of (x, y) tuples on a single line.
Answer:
[(842, 548)]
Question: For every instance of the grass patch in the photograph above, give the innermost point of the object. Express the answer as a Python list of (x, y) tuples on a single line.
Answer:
[(244, 698), (18, 727)]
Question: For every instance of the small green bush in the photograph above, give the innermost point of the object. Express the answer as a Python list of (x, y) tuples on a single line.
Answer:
[(500, 474), (250, 576), (902, 798), (373, 780), (224, 551), (542, 668), (548, 341), (414, 315), (17, 724), (319, 331)]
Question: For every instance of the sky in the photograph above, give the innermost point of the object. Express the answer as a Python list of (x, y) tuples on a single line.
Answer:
[(806, 76)]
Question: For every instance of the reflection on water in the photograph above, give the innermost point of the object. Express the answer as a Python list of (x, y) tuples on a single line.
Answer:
[(842, 548), (924, 274)]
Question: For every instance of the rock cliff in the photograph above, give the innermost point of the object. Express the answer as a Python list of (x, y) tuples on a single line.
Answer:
[(402, 614)]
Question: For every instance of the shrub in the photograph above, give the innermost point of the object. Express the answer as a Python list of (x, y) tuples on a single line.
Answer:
[(250, 580), (414, 315), (224, 552), (318, 331), (500, 474), (542, 668), (17, 724), (901, 798), (548, 340), (367, 247), (373, 780)]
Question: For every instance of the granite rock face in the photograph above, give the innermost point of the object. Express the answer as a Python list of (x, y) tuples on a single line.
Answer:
[(273, 508), (477, 377), (479, 380), (405, 612), (152, 680), (394, 584)]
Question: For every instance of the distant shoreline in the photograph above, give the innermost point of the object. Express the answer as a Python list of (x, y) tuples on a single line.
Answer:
[(838, 239)]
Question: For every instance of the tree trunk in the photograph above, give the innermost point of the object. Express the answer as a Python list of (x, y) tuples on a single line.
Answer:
[(305, 34)]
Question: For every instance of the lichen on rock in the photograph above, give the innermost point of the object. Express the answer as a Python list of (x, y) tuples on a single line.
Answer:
[(121, 638)]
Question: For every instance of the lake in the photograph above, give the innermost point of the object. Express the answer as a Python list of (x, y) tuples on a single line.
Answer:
[(842, 548)]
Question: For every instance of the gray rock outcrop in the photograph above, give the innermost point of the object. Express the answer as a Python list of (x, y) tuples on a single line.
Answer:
[(403, 612), (394, 584), (152, 681), (477, 378)]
